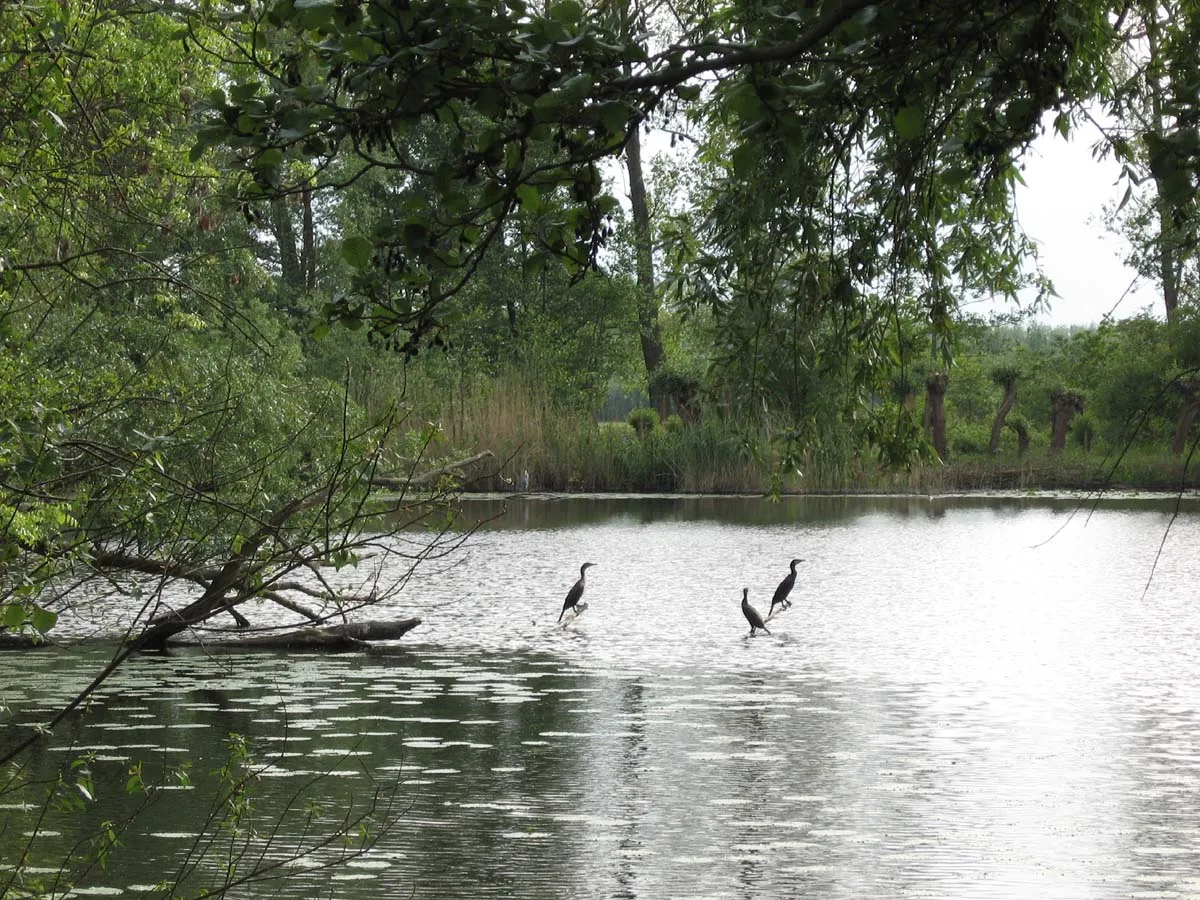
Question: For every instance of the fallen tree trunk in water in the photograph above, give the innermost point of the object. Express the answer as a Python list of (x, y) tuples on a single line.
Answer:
[(329, 637), (425, 479)]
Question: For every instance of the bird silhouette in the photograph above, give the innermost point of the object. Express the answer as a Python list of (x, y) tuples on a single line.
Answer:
[(575, 594), (752, 614), (785, 588)]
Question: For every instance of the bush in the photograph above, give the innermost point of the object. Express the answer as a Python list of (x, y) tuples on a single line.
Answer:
[(643, 420), (674, 424), (1084, 430), (969, 439)]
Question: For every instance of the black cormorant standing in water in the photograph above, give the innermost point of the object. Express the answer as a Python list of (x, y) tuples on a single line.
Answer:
[(785, 588), (576, 592), (751, 614)]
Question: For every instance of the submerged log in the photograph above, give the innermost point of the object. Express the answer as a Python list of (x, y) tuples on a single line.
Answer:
[(330, 637), (21, 641)]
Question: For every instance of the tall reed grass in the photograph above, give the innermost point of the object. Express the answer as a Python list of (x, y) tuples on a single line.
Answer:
[(565, 449)]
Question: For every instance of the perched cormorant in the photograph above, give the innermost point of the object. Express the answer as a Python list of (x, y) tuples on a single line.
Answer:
[(785, 588), (576, 592), (751, 614)]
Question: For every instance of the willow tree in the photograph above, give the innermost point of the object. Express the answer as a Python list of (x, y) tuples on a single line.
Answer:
[(914, 109), (935, 413), (1065, 405), (1153, 130), (1004, 377), (844, 195)]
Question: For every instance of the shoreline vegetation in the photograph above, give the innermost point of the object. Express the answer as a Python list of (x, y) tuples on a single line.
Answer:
[(1035, 475), (565, 451)]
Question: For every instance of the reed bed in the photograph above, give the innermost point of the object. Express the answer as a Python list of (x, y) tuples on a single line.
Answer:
[(565, 450)]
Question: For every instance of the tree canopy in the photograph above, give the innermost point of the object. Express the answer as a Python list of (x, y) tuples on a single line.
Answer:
[(886, 132)]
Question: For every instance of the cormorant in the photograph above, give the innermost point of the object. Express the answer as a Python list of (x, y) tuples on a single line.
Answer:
[(576, 592), (751, 614), (785, 588)]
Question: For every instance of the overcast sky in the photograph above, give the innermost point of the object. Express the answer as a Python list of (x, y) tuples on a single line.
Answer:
[(1061, 207)]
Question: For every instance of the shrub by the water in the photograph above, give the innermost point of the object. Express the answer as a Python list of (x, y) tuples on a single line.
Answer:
[(643, 420)]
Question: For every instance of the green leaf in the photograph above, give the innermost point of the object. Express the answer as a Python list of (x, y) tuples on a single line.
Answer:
[(910, 122), (687, 91), (269, 159), (615, 116), (43, 619), (529, 198), (240, 93), (14, 615), (550, 102), (576, 88), (743, 102), (745, 159), (566, 11), (356, 251)]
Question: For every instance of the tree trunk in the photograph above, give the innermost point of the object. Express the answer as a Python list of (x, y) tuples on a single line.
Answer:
[(350, 636), (1167, 266), (935, 412), (308, 246), (285, 239), (510, 299), (1164, 167), (425, 479), (1006, 405), (510, 308), (1184, 425), (1067, 404), (1022, 436), (647, 299)]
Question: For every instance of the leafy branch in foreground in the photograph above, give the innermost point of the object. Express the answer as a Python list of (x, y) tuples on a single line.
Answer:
[(248, 835)]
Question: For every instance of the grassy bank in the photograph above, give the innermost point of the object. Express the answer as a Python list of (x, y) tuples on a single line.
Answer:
[(565, 450)]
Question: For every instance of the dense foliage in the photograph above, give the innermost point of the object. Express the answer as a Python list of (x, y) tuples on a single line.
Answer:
[(205, 204), (258, 258)]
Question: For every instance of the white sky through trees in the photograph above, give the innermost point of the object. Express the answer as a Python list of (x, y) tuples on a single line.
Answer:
[(1061, 206)]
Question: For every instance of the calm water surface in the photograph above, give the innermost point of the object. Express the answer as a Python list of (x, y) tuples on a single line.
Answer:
[(970, 698)]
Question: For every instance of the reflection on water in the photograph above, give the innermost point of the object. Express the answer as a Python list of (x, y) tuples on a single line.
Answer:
[(949, 710), (499, 511)]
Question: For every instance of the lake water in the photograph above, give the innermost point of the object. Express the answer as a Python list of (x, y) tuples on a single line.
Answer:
[(969, 698)]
